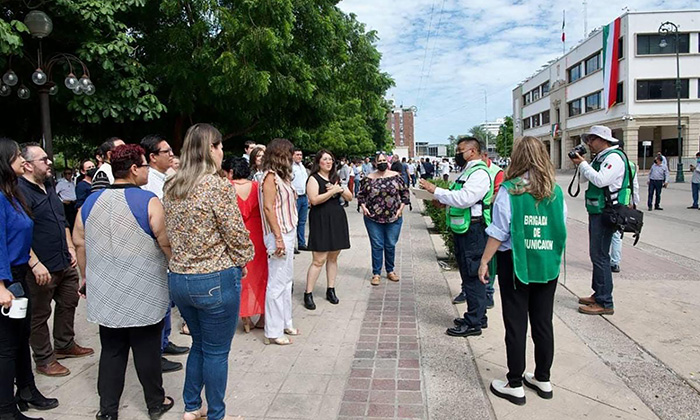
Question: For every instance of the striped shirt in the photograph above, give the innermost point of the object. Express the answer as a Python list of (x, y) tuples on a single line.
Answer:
[(285, 206)]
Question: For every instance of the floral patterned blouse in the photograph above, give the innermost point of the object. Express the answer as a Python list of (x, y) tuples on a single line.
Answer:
[(383, 197), (206, 229)]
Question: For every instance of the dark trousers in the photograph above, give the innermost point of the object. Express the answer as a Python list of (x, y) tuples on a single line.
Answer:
[(599, 239), (62, 289), (303, 212), (695, 187), (167, 329), (518, 301), (144, 342), (655, 186), (70, 213), (15, 360), (469, 247)]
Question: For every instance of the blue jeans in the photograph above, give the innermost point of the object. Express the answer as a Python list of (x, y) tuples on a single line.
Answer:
[(383, 238), (655, 186), (167, 329), (209, 303), (696, 187), (600, 238), (303, 211), (469, 247), (616, 249)]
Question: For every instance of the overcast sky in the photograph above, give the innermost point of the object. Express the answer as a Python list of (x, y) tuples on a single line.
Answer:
[(475, 47)]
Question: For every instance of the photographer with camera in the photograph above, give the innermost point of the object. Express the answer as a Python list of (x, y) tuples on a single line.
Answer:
[(608, 185)]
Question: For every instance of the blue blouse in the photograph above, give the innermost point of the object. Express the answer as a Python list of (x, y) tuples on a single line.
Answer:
[(16, 230)]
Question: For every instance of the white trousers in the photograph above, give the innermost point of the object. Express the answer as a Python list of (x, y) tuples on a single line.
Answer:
[(278, 300)]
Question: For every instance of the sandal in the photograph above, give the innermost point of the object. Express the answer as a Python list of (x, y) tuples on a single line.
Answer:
[(281, 341), (195, 415), (292, 331), (375, 280)]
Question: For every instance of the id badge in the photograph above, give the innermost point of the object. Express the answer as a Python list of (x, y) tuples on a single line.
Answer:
[(457, 221)]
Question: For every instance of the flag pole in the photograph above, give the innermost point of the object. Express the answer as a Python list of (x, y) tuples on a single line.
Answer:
[(563, 33)]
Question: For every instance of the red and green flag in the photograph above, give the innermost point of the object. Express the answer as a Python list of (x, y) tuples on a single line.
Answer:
[(611, 62)]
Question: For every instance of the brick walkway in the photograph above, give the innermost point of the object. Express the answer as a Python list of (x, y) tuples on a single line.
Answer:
[(385, 379)]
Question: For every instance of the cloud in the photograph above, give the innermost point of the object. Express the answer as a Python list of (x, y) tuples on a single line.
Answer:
[(476, 48)]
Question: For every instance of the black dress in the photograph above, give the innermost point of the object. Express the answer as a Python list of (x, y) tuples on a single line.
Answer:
[(328, 223)]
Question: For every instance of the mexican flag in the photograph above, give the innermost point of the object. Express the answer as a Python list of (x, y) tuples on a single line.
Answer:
[(611, 63)]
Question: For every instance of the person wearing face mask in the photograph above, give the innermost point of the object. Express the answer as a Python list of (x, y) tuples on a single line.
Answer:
[(468, 215), (695, 182), (82, 189), (382, 196), (607, 174)]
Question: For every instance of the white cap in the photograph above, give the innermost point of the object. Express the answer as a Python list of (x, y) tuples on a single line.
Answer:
[(600, 131)]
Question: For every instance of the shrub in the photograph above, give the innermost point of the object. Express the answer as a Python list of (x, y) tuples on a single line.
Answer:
[(438, 216)]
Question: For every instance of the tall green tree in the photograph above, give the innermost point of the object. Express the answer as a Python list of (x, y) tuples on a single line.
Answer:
[(451, 145), (480, 133), (504, 139)]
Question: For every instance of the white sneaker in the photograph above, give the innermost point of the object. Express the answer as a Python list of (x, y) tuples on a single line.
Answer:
[(544, 389), (514, 395)]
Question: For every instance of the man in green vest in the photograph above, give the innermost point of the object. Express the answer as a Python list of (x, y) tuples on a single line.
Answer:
[(468, 204), (606, 173)]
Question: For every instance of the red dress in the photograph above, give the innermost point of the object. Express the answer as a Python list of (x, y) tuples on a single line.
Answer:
[(254, 284)]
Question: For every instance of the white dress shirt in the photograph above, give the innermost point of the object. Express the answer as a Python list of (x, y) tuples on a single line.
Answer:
[(610, 174), (65, 190), (474, 190), (156, 182), (299, 178)]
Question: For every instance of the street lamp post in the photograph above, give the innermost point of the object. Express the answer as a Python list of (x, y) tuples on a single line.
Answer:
[(670, 28), (40, 26)]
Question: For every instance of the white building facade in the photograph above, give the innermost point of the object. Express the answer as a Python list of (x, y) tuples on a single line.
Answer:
[(565, 98)]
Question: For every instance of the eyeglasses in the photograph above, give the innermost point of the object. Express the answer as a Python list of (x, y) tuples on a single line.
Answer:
[(168, 151), (44, 159), (143, 165)]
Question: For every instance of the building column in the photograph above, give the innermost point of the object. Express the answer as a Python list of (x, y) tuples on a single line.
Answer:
[(691, 141), (567, 144), (630, 141)]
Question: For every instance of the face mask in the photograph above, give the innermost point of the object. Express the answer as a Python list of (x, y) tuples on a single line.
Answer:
[(91, 172), (460, 160), (382, 166), (698, 160)]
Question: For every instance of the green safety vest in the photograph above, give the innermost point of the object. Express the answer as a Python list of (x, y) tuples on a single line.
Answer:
[(458, 220), (494, 170), (595, 196), (537, 234)]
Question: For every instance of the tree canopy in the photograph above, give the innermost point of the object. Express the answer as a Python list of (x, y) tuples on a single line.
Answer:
[(504, 139), (300, 69)]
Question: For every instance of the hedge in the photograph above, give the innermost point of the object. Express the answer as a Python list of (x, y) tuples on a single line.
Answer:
[(439, 218)]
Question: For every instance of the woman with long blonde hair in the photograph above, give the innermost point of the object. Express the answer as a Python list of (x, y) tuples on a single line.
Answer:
[(210, 248), (528, 235)]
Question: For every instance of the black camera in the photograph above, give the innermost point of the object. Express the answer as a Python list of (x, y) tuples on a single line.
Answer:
[(579, 149)]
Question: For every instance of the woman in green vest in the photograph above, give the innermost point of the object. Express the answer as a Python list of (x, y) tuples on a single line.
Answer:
[(527, 234)]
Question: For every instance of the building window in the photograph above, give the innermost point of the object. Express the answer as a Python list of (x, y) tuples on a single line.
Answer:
[(558, 115), (649, 44), (526, 123), (660, 89), (620, 98), (593, 64), (593, 102), (526, 98), (536, 120), (575, 107), (545, 88), (535, 94), (620, 49), (545, 117), (574, 73)]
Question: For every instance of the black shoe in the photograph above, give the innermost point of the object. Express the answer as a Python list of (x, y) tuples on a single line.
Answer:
[(649, 208), (31, 397), (296, 251), (156, 413), (461, 321), (309, 301), (331, 297), (17, 415), (658, 208), (169, 366), (460, 298), (615, 268), (100, 416), (463, 331), (692, 207), (303, 248), (175, 350), (489, 302)]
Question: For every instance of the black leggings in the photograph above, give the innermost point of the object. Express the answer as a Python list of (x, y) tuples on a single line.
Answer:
[(518, 300), (15, 359)]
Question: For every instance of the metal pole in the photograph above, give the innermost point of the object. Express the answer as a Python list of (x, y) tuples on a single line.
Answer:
[(679, 168), (644, 160), (46, 120)]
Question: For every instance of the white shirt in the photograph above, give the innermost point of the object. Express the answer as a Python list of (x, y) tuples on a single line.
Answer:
[(156, 182), (411, 169), (246, 156), (474, 190), (299, 178), (610, 174), (65, 190), (501, 217), (444, 168)]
